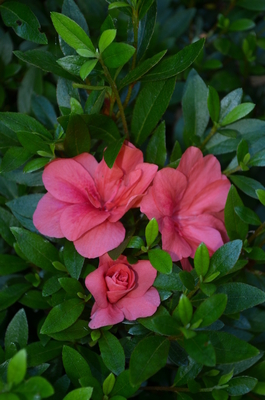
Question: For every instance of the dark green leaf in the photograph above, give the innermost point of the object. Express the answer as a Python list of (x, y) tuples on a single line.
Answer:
[(14, 158), (229, 102), (148, 357), (156, 151), (235, 227), (38, 354), (34, 299), (241, 25), (77, 139), (123, 386), (247, 185), (102, 127), (200, 349), (45, 61), (95, 102), (76, 331), (71, 286), (112, 352), (187, 372), (187, 279), (75, 365), (247, 215), (23, 208), (258, 160), (62, 316), (141, 69), (185, 309), (201, 260), (37, 249), (160, 260), (169, 282), (256, 5), (112, 151), (17, 330), (35, 164), (17, 368), (20, 17), (11, 294), (73, 260), (71, 32), (261, 195), (150, 105), (177, 63), (72, 64), (229, 349), (44, 111), (242, 150), (210, 310), (37, 385), (146, 30), (241, 385), (224, 259), (213, 103), (11, 264), (117, 54), (241, 296)]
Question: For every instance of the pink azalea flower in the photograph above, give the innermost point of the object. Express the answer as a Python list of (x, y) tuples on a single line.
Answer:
[(188, 204), (86, 199), (122, 291)]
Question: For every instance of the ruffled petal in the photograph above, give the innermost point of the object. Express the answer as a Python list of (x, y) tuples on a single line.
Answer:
[(95, 283), (46, 217), (174, 241), (149, 207), (145, 277), (88, 162), (110, 315), (100, 239), (128, 158), (108, 180), (189, 158), (77, 219), (68, 181), (139, 307)]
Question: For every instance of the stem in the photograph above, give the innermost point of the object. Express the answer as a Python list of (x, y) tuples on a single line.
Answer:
[(206, 140), (117, 96), (256, 233), (236, 169)]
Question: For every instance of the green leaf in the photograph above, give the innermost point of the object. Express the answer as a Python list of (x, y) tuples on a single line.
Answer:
[(106, 39), (160, 260), (35, 164), (169, 282), (241, 385), (261, 195), (75, 365), (224, 259), (108, 384), (242, 150), (11, 264), (240, 296), (73, 260), (150, 105), (194, 103), (141, 69), (235, 227), (37, 249), (112, 151), (247, 185), (230, 101), (85, 53), (256, 5), (77, 138), (187, 372), (229, 349), (151, 232), (79, 394), (11, 294), (14, 158), (112, 352), (117, 4), (258, 160), (187, 279), (23, 208), (34, 299), (76, 331), (117, 54), (87, 68), (247, 215), (45, 61), (71, 32), (185, 309), (156, 151), (213, 103), (237, 113), (36, 386), (148, 357), (200, 349), (62, 316), (71, 64), (95, 102), (17, 368), (17, 331), (241, 25), (123, 385), (20, 17), (144, 7), (146, 30), (201, 260), (210, 310), (102, 127), (38, 354), (175, 64)]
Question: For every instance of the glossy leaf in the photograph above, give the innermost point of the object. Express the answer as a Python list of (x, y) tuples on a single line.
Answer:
[(112, 352), (117, 54), (237, 113), (17, 368), (200, 349), (210, 310), (106, 39), (201, 260), (160, 260), (213, 103), (156, 151), (224, 259), (235, 227), (75, 365)]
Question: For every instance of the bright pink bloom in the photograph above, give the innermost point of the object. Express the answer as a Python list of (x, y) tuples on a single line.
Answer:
[(86, 199), (188, 204), (122, 291)]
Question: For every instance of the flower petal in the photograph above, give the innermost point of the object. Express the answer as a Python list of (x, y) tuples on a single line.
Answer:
[(189, 158), (95, 283), (46, 217), (128, 158), (173, 242), (108, 180), (68, 181), (88, 162), (149, 207), (139, 307), (145, 277), (77, 219), (105, 316), (100, 240)]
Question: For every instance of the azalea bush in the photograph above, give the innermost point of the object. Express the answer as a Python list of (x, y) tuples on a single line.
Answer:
[(132, 199)]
